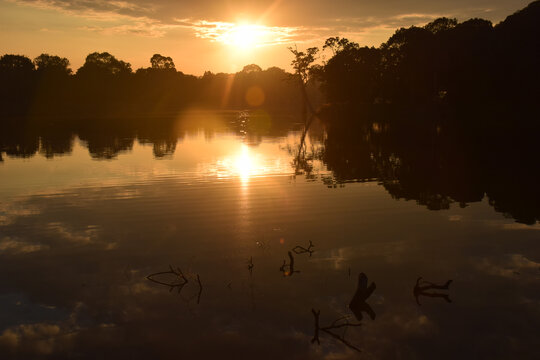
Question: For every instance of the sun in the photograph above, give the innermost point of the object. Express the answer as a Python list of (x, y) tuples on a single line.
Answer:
[(246, 36)]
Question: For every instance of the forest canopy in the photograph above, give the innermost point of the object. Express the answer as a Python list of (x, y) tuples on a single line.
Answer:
[(443, 62)]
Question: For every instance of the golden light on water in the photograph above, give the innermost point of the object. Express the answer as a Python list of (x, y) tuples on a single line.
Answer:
[(245, 163)]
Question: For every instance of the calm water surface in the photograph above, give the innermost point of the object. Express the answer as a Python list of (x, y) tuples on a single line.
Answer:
[(222, 221)]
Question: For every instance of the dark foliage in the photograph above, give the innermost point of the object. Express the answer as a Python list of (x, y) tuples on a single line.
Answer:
[(442, 62), (107, 86), (439, 156)]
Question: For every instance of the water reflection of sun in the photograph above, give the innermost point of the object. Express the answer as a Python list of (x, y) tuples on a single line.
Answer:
[(243, 164), (236, 160), (246, 164)]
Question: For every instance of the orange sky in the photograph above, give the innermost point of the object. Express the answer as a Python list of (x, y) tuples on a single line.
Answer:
[(220, 36)]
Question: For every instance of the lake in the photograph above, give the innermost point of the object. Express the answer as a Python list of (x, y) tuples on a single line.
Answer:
[(215, 237)]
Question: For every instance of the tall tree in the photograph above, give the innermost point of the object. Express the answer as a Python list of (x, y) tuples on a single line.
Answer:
[(301, 64), (104, 64), (46, 63), (15, 64), (160, 62)]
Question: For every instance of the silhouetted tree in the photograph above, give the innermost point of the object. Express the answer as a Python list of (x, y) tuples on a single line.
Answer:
[(337, 44), (15, 64), (17, 79), (160, 62), (302, 64), (103, 64), (251, 68), (408, 65), (352, 74), (52, 64), (441, 24), (518, 54), (444, 63)]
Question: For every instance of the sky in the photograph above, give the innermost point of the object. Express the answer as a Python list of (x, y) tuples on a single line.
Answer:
[(218, 36)]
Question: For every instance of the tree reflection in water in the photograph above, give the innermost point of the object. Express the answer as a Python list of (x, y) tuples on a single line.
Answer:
[(357, 306), (358, 303), (437, 156), (340, 323), (288, 269), (421, 289), (175, 278), (250, 266), (302, 250), (179, 279)]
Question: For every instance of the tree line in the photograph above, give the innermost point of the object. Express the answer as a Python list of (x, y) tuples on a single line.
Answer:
[(443, 62), (105, 85)]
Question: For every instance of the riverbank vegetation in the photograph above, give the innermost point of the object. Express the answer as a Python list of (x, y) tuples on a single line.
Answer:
[(445, 62)]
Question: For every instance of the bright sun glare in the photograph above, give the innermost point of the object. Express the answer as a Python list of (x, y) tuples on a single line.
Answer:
[(246, 164), (246, 36)]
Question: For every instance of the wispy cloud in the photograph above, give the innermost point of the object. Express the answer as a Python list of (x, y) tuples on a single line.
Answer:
[(14, 246), (140, 27), (510, 266), (157, 19), (93, 9), (415, 18), (230, 33), (130, 18), (113, 17)]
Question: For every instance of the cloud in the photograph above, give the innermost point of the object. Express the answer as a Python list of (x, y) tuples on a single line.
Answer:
[(130, 18), (229, 33), (510, 267), (416, 18), (217, 22), (9, 245), (94, 9), (117, 17), (371, 23), (156, 19), (518, 226), (139, 27), (86, 236), (9, 212), (34, 338), (47, 338)]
